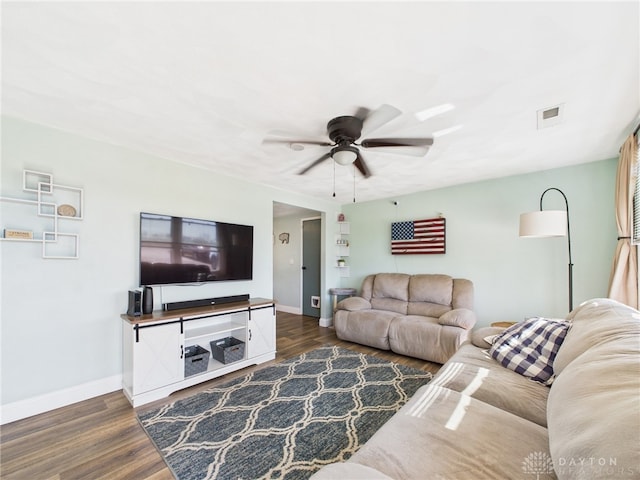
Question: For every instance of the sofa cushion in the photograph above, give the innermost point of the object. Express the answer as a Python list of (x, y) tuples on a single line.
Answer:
[(368, 327), (366, 290), (460, 317), (472, 371), (530, 347), (390, 292), (442, 434), (422, 337), (462, 293), (427, 309), (594, 322), (390, 305), (391, 285), (431, 288), (594, 403)]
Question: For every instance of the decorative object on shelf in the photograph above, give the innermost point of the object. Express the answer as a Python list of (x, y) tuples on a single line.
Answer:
[(419, 236), (52, 201), (342, 246), (550, 223), (18, 234), (147, 300), (67, 210), (283, 237)]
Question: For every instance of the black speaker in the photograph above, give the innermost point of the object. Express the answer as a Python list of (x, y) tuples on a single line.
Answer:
[(147, 300), (135, 303)]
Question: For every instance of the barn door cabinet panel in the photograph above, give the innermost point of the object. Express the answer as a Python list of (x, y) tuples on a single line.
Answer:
[(262, 332)]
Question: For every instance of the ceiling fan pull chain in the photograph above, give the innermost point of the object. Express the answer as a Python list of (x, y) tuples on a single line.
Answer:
[(354, 183), (334, 179)]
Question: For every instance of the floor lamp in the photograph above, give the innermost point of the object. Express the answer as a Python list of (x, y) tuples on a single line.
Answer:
[(550, 223)]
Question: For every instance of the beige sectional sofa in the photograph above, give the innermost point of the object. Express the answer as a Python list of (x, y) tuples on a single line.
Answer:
[(424, 316), (479, 420)]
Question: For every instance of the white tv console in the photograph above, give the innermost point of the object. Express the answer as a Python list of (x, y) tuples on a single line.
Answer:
[(154, 345)]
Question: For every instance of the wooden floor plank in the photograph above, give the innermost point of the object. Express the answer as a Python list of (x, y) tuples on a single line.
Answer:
[(101, 438)]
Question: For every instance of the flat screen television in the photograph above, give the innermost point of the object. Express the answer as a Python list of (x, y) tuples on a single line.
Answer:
[(177, 250)]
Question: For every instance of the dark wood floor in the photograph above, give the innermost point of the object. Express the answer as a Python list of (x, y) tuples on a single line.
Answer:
[(100, 438)]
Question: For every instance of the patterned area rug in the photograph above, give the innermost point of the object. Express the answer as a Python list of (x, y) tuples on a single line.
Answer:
[(284, 421)]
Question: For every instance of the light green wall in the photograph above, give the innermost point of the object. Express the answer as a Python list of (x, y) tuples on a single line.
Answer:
[(287, 262), (60, 319), (513, 277)]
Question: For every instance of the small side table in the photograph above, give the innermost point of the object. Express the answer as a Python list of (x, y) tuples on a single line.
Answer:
[(503, 324), (341, 292)]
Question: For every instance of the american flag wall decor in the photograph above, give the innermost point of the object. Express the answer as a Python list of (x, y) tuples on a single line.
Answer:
[(418, 236)]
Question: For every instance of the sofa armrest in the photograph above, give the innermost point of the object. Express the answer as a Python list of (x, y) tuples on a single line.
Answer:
[(479, 337), (459, 317), (354, 304)]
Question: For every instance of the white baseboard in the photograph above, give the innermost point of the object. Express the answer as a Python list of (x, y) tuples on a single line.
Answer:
[(288, 309), (326, 322), (61, 398), (323, 322)]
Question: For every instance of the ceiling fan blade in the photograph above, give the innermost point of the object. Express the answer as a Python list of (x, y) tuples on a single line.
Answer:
[(362, 166), (291, 142), (397, 142), (315, 163), (362, 113), (404, 150), (413, 147), (377, 118)]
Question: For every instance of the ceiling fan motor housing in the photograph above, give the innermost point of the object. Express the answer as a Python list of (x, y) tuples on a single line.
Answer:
[(344, 129)]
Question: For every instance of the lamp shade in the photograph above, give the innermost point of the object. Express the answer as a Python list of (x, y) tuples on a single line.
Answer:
[(344, 156), (544, 223)]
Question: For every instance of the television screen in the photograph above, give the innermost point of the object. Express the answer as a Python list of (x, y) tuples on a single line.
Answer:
[(188, 250)]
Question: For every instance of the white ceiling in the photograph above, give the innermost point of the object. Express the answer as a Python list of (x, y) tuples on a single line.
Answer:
[(203, 83)]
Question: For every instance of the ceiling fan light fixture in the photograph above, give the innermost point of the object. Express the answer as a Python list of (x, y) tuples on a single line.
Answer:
[(344, 155)]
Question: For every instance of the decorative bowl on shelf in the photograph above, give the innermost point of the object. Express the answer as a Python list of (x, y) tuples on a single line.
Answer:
[(67, 210)]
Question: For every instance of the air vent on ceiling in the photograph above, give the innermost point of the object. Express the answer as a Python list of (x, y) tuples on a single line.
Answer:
[(551, 116)]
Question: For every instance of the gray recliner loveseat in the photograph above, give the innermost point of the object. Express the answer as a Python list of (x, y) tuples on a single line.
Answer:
[(426, 316)]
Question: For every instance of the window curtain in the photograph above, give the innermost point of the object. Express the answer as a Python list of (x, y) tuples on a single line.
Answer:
[(623, 283)]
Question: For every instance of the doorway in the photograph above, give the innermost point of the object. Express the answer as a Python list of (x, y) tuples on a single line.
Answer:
[(288, 277), (311, 242)]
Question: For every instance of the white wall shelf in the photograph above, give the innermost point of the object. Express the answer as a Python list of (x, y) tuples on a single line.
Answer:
[(51, 201), (342, 248)]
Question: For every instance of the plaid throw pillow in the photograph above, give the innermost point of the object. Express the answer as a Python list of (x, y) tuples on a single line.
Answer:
[(530, 347)]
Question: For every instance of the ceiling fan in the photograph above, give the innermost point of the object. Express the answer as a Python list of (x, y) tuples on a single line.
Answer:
[(345, 130)]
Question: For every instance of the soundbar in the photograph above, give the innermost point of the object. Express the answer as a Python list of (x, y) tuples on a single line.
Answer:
[(203, 302)]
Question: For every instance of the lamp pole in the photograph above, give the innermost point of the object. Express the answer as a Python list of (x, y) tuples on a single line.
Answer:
[(566, 202)]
